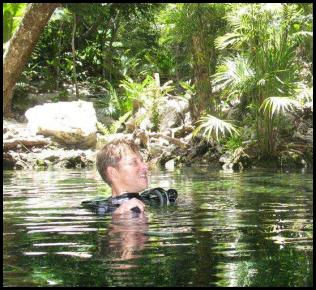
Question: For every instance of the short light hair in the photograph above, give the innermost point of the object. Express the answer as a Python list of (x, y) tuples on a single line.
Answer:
[(111, 154)]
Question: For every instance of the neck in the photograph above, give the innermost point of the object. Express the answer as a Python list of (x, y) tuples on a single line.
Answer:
[(117, 190)]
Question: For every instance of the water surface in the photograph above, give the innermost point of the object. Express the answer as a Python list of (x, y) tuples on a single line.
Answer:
[(251, 228)]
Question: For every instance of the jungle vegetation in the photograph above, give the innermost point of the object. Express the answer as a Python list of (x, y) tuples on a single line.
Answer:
[(243, 68)]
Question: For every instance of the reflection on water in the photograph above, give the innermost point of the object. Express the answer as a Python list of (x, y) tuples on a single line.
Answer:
[(125, 237), (251, 228)]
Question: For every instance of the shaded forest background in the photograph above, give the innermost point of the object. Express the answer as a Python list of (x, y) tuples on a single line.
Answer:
[(244, 69)]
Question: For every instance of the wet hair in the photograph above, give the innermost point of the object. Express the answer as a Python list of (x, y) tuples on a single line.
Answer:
[(111, 154)]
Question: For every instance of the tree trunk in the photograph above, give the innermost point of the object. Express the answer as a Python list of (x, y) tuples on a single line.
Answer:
[(21, 46), (116, 23), (58, 57), (202, 79), (74, 54), (107, 54), (201, 66)]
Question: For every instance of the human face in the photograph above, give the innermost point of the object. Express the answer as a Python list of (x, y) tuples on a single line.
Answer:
[(131, 173)]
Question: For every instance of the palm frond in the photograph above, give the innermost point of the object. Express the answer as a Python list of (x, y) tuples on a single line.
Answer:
[(188, 86), (234, 73), (237, 15), (301, 35), (226, 40), (214, 127), (279, 105), (305, 95)]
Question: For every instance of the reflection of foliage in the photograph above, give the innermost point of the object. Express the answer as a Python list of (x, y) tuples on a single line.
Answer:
[(229, 220), (270, 270), (43, 278)]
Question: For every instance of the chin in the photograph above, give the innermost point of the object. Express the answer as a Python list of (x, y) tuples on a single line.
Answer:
[(142, 187)]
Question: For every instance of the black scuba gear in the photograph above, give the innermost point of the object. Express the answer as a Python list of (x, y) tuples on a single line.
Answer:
[(159, 195), (155, 196)]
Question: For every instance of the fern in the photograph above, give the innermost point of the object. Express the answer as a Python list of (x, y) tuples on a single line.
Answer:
[(115, 125)]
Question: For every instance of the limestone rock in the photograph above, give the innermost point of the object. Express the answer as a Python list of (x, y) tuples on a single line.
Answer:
[(69, 123), (173, 113)]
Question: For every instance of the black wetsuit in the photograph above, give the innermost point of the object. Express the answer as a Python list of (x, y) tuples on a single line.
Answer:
[(156, 196)]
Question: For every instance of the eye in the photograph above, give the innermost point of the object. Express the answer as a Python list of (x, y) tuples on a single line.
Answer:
[(133, 162)]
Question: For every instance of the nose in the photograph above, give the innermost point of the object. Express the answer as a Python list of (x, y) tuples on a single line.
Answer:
[(144, 166)]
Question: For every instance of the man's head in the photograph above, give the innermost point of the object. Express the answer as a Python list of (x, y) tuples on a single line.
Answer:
[(121, 166)]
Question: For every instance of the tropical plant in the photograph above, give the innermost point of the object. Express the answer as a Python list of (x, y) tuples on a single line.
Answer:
[(233, 142), (189, 30), (235, 76), (12, 16), (112, 129), (137, 93), (148, 94), (112, 105), (275, 105), (214, 127), (262, 62)]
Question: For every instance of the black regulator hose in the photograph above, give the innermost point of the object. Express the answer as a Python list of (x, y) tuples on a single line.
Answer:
[(155, 196), (160, 193), (172, 195), (159, 196)]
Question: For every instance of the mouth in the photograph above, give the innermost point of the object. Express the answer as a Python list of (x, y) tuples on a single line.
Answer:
[(144, 177)]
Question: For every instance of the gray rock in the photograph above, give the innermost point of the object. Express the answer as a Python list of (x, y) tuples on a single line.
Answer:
[(69, 123), (173, 113)]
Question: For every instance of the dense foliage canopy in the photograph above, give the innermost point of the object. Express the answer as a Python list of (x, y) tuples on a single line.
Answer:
[(249, 63)]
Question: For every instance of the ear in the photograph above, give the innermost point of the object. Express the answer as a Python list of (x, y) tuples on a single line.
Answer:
[(111, 173)]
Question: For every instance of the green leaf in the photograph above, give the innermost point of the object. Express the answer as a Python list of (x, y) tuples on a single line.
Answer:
[(279, 105), (224, 41), (214, 127)]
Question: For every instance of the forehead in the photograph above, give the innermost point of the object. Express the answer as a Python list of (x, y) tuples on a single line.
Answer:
[(127, 153)]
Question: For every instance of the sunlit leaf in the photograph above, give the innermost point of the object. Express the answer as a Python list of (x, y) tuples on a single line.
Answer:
[(279, 105), (214, 127), (228, 39), (234, 74)]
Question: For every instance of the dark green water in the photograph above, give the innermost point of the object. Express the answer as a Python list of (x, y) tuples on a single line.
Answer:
[(252, 228)]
